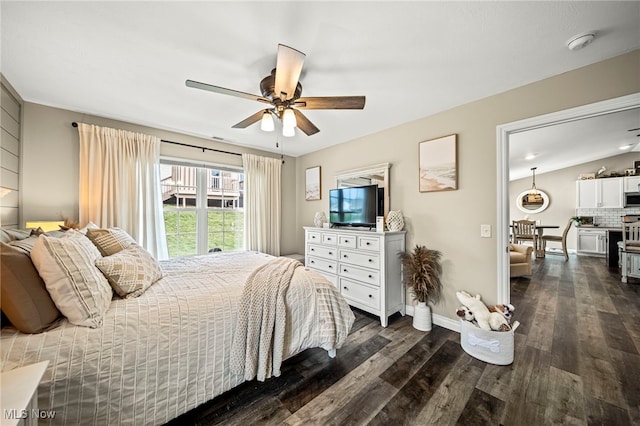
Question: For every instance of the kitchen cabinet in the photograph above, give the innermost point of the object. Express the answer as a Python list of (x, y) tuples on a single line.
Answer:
[(600, 193), (592, 241), (632, 184)]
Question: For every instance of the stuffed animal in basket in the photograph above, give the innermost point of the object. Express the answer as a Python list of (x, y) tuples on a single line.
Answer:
[(464, 313), (505, 310), (475, 305), (485, 319)]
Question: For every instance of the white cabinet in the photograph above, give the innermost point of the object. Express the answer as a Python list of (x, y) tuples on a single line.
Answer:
[(592, 241), (600, 193), (632, 184), (364, 265)]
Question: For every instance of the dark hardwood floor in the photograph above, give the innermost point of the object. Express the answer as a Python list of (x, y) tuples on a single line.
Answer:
[(577, 361)]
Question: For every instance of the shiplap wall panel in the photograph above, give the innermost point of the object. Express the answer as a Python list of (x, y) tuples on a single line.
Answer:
[(9, 158)]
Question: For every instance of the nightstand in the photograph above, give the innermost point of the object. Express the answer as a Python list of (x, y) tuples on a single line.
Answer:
[(19, 394)]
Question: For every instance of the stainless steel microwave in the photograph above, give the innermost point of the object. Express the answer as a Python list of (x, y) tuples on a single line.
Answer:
[(632, 199)]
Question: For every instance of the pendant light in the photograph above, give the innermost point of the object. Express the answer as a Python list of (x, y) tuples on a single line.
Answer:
[(534, 190)]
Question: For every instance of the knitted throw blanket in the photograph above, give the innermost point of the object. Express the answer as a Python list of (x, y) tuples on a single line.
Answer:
[(258, 343)]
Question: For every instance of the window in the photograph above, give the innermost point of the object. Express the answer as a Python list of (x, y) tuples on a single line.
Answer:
[(203, 208)]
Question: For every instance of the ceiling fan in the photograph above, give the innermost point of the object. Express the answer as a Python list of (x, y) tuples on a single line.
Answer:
[(281, 90)]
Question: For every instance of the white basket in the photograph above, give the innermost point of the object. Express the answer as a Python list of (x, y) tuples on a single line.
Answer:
[(494, 347)]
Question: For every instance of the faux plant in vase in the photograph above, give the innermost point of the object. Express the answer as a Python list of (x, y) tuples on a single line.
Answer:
[(422, 273)]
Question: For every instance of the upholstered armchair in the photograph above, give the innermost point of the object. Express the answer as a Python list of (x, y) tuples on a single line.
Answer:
[(519, 260)]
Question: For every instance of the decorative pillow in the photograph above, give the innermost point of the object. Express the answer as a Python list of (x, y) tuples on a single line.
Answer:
[(130, 271), (7, 235), (109, 241), (24, 297), (76, 286)]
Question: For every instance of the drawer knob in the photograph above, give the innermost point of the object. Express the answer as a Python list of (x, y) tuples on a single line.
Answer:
[(346, 241), (370, 276), (330, 266), (345, 270), (313, 261), (368, 243), (345, 287), (370, 296), (370, 260), (330, 252), (345, 256)]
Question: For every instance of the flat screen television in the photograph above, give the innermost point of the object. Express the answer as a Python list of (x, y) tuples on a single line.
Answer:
[(355, 205)]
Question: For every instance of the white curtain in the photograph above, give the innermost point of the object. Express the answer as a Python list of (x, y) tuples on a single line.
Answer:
[(262, 203), (120, 184)]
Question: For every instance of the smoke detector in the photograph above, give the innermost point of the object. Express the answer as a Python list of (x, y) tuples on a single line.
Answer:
[(581, 40)]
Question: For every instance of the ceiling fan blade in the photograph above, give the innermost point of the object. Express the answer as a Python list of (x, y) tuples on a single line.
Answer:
[(288, 69), (331, 102), (224, 91), (304, 124), (249, 120)]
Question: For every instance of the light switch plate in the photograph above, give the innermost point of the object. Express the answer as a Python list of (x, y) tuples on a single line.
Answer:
[(485, 231)]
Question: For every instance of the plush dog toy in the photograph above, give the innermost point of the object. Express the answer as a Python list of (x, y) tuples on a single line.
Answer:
[(498, 322), (475, 305), (505, 310), (464, 313)]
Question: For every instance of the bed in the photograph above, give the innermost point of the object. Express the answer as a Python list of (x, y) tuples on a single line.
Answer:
[(168, 350)]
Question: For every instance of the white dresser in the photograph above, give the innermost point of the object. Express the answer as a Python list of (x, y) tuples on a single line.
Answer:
[(364, 265)]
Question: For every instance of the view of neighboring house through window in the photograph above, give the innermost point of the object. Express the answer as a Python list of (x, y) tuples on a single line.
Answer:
[(203, 208)]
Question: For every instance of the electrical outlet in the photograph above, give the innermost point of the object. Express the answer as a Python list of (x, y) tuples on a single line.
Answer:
[(485, 231)]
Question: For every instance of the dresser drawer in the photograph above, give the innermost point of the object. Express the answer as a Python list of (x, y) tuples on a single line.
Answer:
[(347, 241), (368, 276), (323, 265), (368, 260), (364, 294), (314, 237), (330, 239), (369, 243), (330, 253)]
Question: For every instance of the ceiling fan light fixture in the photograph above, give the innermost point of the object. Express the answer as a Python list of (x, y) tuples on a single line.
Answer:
[(288, 131), (289, 118), (266, 123)]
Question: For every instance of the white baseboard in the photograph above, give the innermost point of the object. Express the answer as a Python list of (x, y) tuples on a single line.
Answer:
[(442, 321)]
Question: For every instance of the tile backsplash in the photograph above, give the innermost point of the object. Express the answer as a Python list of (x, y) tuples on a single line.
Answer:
[(608, 217)]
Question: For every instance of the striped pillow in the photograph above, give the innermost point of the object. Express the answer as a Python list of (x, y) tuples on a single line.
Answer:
[(130, 271), (76, 285), (109, 241)]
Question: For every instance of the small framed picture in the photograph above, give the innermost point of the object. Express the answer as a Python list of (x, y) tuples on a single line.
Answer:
[(438, 167), (312, 185)]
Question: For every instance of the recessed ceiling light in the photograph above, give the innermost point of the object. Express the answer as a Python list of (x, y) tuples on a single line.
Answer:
[(581, 40), (530, 156)]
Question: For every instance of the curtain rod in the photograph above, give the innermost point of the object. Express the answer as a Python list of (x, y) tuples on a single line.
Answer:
[(74, 124)]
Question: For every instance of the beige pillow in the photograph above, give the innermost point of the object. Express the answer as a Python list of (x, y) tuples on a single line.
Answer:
[(109, 241), (24, 298), (130, 271), (76, 285)]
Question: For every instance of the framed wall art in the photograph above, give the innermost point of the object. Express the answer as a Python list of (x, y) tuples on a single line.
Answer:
[(438, 165), (312, 186)]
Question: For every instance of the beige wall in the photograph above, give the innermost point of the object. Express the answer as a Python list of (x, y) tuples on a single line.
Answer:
[(560, 186), (450, 221), (50, 165)]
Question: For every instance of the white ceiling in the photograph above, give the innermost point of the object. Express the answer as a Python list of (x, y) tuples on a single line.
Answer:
[(129, 60)]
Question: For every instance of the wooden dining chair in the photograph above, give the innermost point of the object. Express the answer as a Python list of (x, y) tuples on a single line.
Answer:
[(630, 250), (525, 230), (558, 238)]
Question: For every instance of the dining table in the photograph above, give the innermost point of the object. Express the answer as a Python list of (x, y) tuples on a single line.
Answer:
[(538, 248)]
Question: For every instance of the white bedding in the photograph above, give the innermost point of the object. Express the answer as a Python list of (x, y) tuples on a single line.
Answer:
[(165, 352)]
